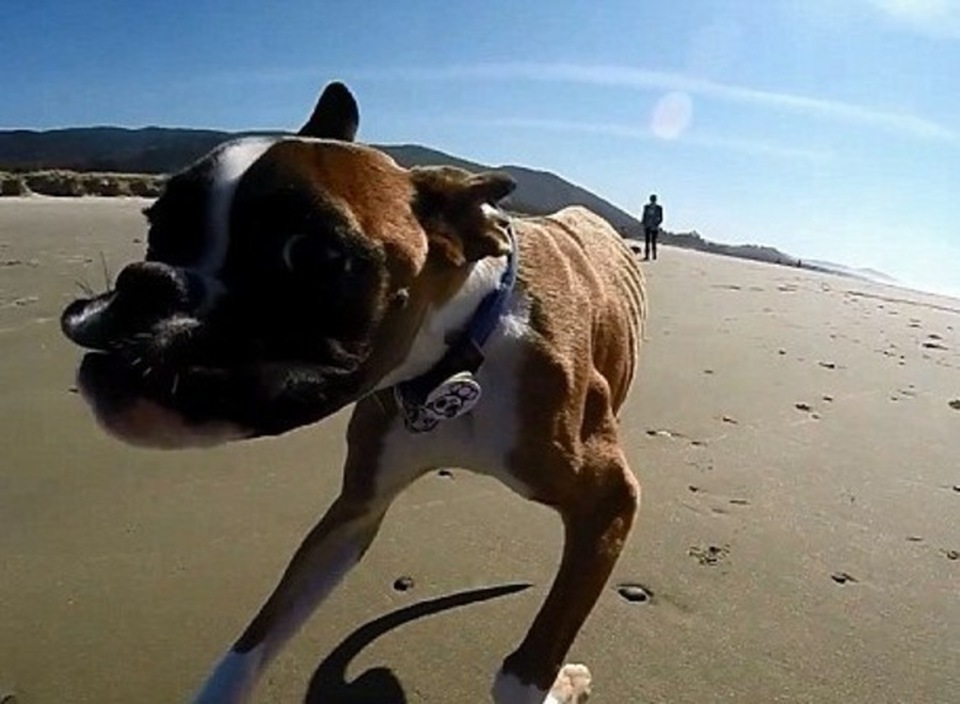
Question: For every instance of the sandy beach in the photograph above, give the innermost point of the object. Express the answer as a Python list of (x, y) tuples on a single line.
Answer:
[(799, 535)]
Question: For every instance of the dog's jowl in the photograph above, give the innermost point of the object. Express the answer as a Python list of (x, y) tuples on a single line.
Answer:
[(287, 277)]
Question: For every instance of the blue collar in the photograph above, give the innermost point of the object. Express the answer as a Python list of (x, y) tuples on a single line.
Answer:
[(465, 355), (491, 308)]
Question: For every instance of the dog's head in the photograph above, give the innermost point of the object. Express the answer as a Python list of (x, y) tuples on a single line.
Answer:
[(284, 278)]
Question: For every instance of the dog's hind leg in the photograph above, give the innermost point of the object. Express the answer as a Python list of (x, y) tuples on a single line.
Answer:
[(598, 508), (328, 552)]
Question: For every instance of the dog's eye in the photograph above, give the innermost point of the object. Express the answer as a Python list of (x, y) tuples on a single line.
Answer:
[(303, 254)]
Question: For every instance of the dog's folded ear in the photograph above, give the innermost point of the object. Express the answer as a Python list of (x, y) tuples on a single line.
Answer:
[(453, 206), (336, 115)]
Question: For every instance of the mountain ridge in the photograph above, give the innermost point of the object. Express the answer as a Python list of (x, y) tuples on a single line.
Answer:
[(100, 153)]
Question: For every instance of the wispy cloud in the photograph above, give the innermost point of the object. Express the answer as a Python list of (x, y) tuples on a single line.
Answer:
[(643, 79), (937, 18), (627, 77), (746, 146)]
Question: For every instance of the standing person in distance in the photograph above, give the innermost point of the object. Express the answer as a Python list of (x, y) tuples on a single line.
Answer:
[(652, 217)]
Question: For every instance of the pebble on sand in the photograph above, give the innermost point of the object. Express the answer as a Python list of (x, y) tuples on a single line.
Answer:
[(403, 584)]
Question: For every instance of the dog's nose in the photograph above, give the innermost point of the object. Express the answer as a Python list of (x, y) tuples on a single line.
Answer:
[(83, 322), (145, 293), (153, 287)]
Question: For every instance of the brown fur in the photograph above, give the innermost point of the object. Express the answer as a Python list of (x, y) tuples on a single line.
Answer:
[(587, 310), (589, 307), (403, 243)]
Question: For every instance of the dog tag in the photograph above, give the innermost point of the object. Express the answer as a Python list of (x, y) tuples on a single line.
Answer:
[(454, 397), (451, 399)]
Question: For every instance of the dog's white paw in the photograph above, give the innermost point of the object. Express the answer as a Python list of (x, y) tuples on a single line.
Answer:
[(572, 686)]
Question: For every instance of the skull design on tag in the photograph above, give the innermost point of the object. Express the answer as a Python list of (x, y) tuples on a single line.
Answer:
[(451, 399)]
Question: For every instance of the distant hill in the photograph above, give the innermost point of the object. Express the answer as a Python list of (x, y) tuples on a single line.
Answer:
[(159, 150), (150, 150), (101, 155)]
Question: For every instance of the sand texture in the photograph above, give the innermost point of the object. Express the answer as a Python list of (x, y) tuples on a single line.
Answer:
[(797, 436)]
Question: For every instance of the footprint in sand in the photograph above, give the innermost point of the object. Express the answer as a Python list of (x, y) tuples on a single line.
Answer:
[(954, 404), (934, 342), (663, 433), (709, 556), (635, 593), (22, 301), (843, 578), (951, 554)]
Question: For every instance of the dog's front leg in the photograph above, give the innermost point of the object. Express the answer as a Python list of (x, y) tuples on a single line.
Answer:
[(324, 557), (597, 516), (329, 551)]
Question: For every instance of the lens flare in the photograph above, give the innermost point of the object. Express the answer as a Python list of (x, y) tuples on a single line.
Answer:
[(672, 115)]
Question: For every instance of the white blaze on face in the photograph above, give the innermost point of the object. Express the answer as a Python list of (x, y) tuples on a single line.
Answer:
[(230, 164)]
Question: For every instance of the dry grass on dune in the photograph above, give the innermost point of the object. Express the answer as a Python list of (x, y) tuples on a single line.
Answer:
[(73, 184)]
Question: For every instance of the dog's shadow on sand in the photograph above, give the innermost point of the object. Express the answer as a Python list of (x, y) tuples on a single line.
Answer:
[(379, 685)]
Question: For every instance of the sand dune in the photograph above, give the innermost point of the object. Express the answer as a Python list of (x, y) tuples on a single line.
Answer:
[(796, 435)]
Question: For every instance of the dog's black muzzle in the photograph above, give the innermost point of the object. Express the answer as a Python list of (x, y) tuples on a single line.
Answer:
[(145, 293)]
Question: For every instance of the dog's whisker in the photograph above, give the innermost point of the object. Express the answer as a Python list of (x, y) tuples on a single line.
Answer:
[(106, 272), (85, 287), (175, 385)]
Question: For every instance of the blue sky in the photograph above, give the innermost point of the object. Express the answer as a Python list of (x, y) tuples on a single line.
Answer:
[(828, 128)]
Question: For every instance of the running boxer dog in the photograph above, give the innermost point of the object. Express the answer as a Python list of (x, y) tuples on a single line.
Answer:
[(287, 277)]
